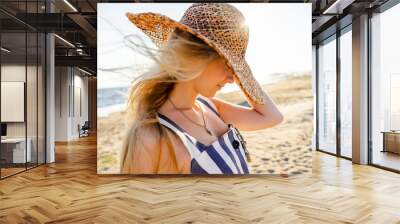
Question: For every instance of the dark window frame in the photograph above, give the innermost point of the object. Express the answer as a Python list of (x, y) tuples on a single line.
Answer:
[(44, 101), (387, 5)]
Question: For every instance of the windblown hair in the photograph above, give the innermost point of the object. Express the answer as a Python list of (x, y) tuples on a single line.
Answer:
[(183, 58)]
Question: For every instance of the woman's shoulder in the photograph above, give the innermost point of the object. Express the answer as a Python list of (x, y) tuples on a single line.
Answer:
[(209, 103), (156, 142), (145, 150), (151, 136), (148, 136)]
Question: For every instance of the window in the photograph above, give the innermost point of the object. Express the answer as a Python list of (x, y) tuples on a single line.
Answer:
[(327, 96), (22, 76), (385, 88), (346, 94), (395, 102)]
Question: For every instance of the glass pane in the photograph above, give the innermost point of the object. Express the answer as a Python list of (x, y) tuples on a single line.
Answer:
[(23, 92), (41, 98), (13, 87), (31, 86), (14, 5), (346, 94), (327, 97), (386, 89), (394, 102), (31, 98)]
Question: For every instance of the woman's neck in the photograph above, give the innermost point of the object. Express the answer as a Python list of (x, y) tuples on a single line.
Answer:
[(184, 95)]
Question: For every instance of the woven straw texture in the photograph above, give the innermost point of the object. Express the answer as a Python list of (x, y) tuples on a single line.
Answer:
[(219, 25)]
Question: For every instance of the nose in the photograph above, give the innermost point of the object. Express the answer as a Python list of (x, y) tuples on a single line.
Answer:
[(229, 78)]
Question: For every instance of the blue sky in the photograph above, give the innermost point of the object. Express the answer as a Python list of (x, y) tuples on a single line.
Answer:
[(280, 38)]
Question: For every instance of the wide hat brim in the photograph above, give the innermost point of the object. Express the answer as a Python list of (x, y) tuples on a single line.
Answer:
[(159, 28)]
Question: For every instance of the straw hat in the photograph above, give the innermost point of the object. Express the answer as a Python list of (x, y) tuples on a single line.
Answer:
[(219, 25)]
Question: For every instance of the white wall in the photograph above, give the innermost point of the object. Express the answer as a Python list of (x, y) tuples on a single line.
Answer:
[(12, 101), (71, 94), (50, 94), (12, 73), (81, 102), (385, 69), (62, 81), (314, 90), (33, 125)]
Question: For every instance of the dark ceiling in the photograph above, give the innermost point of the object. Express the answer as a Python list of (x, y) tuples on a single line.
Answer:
[(72, 20), (329, 16), (76, 21)]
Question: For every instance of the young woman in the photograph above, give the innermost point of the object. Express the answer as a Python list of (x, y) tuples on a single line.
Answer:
[(178, 126)]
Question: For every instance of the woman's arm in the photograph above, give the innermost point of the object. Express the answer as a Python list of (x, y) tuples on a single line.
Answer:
[(147, 152), (249, 119)]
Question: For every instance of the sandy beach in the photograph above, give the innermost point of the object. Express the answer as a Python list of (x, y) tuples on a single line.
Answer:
[(283, 149)]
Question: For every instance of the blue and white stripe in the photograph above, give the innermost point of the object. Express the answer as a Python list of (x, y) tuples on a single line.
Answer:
[(220, 157)]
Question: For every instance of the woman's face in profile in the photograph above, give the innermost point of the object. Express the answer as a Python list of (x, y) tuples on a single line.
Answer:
[(213, 78)]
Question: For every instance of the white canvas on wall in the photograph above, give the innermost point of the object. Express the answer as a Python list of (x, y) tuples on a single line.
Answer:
[(12, 101)]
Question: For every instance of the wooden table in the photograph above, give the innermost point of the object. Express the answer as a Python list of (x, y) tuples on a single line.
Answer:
[(391, 141), (13, 150)]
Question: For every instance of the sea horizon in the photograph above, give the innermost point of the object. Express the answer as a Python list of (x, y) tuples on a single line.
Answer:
[(111, 99)]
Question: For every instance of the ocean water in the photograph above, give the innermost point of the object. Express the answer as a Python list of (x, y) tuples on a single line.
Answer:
[(113, 99), (105, 111)]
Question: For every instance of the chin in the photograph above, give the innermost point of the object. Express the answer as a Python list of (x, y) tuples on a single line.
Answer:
[(208, 94)]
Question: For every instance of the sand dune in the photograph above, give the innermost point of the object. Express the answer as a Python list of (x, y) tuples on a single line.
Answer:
[(284, 149)]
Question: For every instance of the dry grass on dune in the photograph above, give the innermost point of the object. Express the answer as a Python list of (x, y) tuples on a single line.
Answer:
[(284, 149)]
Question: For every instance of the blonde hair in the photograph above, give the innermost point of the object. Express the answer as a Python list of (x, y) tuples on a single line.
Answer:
[(183, 58)]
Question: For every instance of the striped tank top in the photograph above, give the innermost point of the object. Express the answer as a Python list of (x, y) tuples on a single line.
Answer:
[(226, 155)]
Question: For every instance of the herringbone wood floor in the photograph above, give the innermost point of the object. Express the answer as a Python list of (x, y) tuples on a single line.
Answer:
[(70, 191)]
